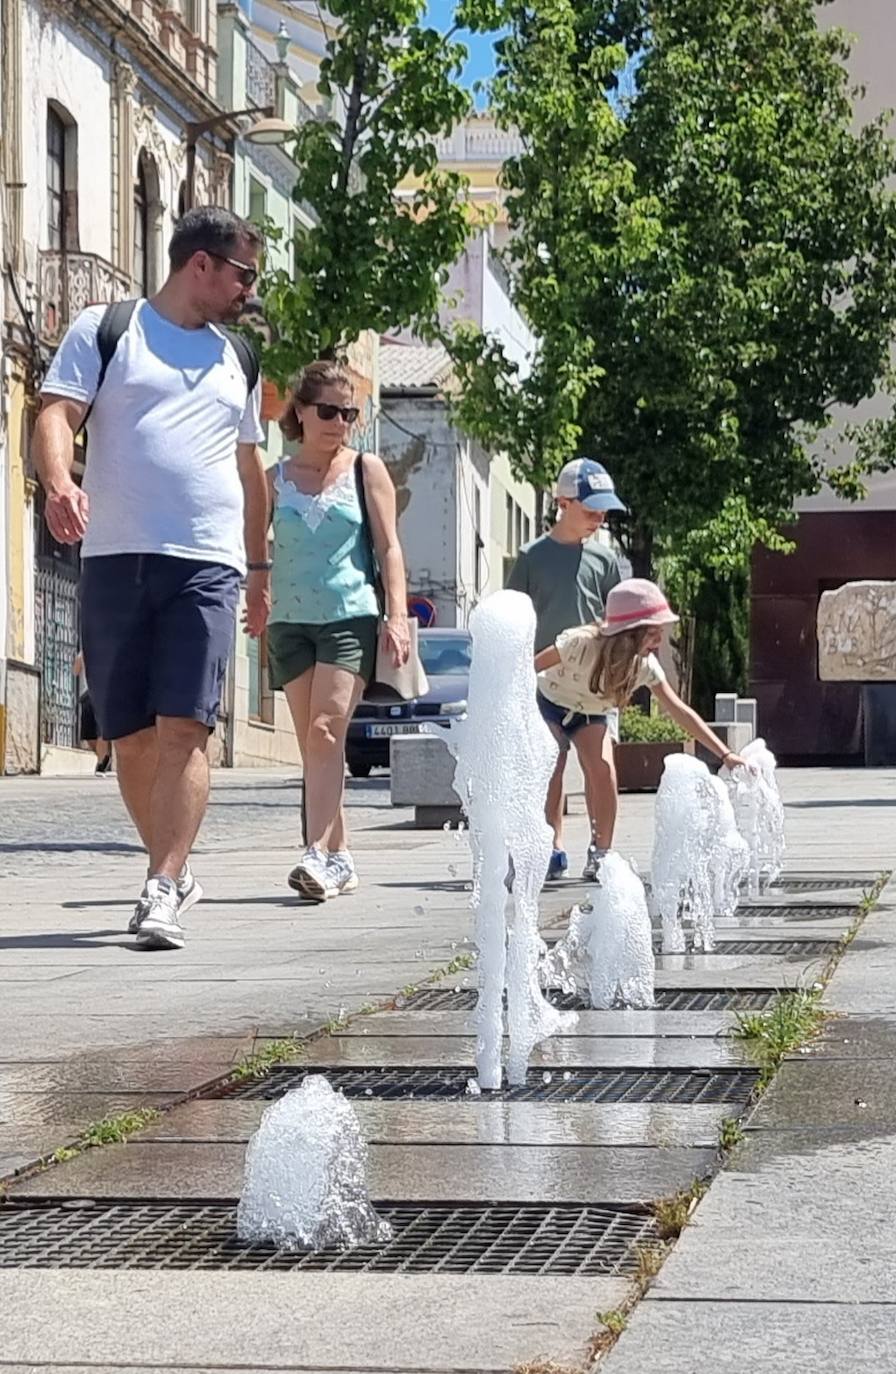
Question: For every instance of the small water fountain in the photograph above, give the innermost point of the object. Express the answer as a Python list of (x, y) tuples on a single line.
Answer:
[(699, 859), (758, 813), (505, 756), (606, 954), (305, 1181)]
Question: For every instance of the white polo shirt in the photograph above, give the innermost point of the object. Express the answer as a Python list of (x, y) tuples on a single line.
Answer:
[(161, 472)]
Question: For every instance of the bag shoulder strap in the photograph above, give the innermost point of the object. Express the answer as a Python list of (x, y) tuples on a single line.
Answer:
[(374, 570), (245, 353), (115, 322)]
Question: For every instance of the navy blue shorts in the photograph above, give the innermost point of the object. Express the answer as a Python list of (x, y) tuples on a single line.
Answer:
[(157, 633), (569, 722)]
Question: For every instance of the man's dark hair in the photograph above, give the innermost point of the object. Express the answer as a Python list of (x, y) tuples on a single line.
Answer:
[(210, 229)]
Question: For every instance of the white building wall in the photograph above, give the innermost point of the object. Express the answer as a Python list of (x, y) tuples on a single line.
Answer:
[(425, 472), (872, 26)]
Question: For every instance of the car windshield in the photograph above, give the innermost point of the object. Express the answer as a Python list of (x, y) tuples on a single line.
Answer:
[(445, 655)]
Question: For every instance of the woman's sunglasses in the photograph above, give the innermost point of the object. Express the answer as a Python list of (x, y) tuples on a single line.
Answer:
[(348, 414)]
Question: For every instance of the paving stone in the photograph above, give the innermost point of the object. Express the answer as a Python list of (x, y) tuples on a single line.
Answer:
[(628, 1024), (716, 973), (855, 1037), (814, 1093), (472, 1325), (608, 1052), (516, 1173), (175, 1065), (797, 1217), (469, 1123), (756, 1338), (33, 1125)]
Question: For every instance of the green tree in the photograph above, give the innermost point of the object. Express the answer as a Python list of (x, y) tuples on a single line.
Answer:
[(769, 297), (374, 259), (569, 175)]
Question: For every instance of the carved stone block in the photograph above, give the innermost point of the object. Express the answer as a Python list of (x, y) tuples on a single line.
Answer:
[(857, 633)]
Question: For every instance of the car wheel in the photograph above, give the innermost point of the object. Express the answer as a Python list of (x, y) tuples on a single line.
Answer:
[(359, 769)]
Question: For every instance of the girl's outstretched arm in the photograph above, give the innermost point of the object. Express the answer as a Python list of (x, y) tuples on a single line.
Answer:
[(548, 658), (696, 726)]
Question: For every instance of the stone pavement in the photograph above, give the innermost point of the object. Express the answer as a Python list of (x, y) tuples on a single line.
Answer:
[(150, 1029)]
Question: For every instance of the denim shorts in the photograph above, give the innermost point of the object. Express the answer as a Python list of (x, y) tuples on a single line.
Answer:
[(157, 633), (569, 722)]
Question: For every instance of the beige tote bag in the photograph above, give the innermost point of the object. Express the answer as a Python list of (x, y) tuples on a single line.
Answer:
[(408, 681)]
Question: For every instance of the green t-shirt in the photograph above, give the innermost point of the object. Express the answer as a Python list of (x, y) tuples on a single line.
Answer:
[(568, 584)]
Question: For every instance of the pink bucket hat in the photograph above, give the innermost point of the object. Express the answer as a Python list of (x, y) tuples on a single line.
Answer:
[(634, 603)]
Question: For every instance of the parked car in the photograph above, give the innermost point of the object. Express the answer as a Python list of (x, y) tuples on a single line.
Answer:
[(445, 655)]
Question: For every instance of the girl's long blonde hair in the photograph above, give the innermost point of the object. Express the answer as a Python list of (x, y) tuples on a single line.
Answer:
[(616, 663)]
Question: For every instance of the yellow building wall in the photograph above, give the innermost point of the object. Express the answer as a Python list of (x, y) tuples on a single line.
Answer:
[(19, 513)]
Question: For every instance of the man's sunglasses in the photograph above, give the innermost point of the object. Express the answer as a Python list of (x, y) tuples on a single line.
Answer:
[(247, 275), (326, 411)]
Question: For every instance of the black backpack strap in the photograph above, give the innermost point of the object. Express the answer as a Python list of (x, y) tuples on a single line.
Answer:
[(246, 354), (373, 570), (116, 319)]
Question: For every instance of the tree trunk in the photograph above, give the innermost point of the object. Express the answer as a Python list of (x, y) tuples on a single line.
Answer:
[(539, 512), (641, 551)]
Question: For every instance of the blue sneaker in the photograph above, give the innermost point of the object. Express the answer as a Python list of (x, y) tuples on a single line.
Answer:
[(558, 865)]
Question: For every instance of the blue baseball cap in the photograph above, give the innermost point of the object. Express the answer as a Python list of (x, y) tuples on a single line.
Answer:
[(588, 481)]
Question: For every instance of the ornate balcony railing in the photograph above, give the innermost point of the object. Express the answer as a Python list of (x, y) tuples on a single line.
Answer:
[(261, 85), (71, 281)]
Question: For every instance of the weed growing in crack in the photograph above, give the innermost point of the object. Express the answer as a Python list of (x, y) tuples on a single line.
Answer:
[(260, 1064), (649, 1260), (730, 1134), (794, 1019), (673, 1213)]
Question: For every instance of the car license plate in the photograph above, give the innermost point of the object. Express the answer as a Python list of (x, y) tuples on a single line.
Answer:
[(404, 728)]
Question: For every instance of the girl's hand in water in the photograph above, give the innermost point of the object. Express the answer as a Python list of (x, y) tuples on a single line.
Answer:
[(733, 761), (397, 639)]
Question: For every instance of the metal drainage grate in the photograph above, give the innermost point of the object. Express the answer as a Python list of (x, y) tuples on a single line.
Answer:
[(796, 912), (822, 884), (542, 1085), (808, 948), (667, 999), (447, 1238)]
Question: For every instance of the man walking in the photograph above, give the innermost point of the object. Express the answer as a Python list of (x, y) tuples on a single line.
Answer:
[(174, 500), (568, 573)]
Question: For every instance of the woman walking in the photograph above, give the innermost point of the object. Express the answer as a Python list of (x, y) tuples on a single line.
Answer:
[(325, 613)]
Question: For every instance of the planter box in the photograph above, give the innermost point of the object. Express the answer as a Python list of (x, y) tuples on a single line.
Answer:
[(639, 767)]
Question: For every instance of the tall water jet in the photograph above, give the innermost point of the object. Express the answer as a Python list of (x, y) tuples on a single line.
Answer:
[(699, 859), (606, 954), (305, 1181), (505, 756), (759, 813)]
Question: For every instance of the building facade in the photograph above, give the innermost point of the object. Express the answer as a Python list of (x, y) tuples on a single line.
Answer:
[(97, 99), (803, 718)]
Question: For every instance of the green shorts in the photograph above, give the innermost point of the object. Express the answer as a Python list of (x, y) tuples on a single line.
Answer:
[(293, 649)]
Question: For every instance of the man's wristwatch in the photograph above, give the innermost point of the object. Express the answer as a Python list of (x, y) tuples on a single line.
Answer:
[(260, 567)]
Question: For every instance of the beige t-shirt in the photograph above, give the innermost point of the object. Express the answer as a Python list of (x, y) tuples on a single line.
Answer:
[(568, 682)]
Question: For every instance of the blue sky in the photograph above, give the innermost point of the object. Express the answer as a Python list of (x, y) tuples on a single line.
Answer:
[(482, 60)]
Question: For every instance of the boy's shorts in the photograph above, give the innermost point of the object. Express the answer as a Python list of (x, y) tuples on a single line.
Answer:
[(349, 644)]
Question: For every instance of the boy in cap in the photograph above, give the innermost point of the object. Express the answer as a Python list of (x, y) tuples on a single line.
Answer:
[(568, 573)]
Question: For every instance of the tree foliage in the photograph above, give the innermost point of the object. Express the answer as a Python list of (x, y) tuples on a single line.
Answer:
[(714, 251), (569, 176), (374, 259)]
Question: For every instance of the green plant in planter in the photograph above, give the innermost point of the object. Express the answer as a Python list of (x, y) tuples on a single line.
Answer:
[(637, 727)]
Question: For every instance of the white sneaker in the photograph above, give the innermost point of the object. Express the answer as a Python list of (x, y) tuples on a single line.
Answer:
[(160, 928), (312, 877), (591, 870), (188, 890), (341, 868)]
